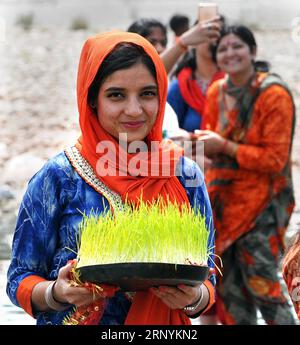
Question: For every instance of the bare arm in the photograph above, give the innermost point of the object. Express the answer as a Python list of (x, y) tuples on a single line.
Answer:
[(38, 296), (200, 33)]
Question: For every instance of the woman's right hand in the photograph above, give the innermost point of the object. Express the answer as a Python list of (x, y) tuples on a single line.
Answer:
[(204, 32), (65, 291)]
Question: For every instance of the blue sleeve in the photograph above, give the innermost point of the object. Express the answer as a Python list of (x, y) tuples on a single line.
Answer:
[(177, 102), (36, 234), (192, 178)]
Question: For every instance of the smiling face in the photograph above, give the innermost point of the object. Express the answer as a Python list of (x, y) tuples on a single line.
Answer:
[(128, 103), (234, 55), (158, 38)]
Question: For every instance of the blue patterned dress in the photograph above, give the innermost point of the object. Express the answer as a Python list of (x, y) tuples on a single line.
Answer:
[(47, 227)]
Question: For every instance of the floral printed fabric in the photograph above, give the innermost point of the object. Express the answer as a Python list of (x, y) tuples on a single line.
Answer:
[(250, 280), (252, 199), (261, 172)]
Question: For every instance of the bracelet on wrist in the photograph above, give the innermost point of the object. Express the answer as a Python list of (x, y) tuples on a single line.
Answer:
[(51, 302), (193, 307)]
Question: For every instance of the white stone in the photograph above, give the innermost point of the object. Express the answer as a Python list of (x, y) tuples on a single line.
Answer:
[(22, 167)]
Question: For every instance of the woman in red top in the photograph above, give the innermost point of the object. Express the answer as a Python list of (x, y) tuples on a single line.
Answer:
[(194, 73), (250, 118)]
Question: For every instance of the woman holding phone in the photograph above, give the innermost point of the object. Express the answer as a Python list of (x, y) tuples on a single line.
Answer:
[(195, 71)]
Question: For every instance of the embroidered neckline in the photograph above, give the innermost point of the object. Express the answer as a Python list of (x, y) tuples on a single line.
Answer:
[(85, 170)]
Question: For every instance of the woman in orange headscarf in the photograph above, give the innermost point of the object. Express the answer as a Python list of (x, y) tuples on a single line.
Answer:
[(121, 93)]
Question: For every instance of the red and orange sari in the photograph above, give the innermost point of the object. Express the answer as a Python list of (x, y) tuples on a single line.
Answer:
[(241, 189), (251, 196)]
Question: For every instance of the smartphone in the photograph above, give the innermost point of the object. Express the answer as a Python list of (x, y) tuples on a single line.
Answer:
[(207, 11)]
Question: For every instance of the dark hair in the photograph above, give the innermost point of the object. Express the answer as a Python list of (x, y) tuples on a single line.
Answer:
[(247, 36), (123, 56), (177, 22), (143, 27), (188, 60)]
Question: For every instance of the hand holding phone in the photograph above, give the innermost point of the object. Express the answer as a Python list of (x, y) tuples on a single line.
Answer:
[(207, 11)]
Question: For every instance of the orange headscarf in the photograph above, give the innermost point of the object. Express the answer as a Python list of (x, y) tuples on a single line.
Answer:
[(146, 308), (93, 53)]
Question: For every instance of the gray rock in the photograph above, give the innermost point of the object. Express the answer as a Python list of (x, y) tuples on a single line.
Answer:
[(6, 193), (22, 167), (5, 251)]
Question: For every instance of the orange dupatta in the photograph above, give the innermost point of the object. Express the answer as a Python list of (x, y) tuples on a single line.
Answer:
[(146, 308), (192, 93)]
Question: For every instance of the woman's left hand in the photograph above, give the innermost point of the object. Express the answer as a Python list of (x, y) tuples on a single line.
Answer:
[(178, 297), (213, 142)]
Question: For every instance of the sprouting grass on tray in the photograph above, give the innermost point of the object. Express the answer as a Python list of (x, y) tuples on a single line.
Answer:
[(147, 234)]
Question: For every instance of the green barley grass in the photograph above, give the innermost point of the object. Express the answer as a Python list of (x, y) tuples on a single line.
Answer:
[(150, 233)]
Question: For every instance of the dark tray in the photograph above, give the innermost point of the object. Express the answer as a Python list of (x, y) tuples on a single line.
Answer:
[(136, 276)]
